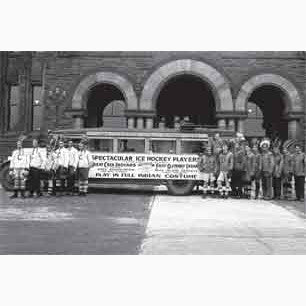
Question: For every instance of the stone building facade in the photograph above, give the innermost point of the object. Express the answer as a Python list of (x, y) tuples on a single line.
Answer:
[(257, 93)]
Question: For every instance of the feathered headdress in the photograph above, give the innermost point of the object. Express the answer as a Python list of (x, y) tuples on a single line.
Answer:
[(265, 141), (21, 138)]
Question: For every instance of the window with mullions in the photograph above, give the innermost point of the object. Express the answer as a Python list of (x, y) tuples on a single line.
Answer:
[(13, 107), (36, 107)]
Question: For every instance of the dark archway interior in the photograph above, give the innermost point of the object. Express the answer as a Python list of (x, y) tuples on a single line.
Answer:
[(187, 95), (271, 101), (98, 98)]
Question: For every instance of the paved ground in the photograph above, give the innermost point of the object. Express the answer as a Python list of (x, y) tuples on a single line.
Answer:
[(134, 221), (189, 225), (108, 223)]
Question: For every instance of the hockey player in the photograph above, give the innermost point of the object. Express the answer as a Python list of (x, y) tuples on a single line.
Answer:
[(61, 161), (277, 172), (238, 170), (267, 162), (84, 163), (257, 171), (19, 170), (299, 170), (207, 165), (72, 165), (226, 163), (36, 160), (287, 173), (49, 170), (250, 163)]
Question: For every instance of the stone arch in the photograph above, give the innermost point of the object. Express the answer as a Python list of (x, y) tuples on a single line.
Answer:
[(215, 79), (80, 94), (293, 99)]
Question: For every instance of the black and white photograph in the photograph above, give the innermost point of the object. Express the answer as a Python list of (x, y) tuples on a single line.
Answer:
[(152, 153)]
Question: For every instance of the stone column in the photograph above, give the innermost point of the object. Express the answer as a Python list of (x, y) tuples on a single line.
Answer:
[(149, 123), (3, 104), (177, 121), (293, 129), (221, 124), (131, 122), (240, 126), (231, 125), (162, 123), (25, 106), (140, 123), (78, 122)]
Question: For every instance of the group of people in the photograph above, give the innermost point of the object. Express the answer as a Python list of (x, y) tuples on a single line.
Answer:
[(57, 169), (233, 167), (242, 169)]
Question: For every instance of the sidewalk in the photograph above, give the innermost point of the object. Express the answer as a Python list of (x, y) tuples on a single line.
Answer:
[(191, 225)]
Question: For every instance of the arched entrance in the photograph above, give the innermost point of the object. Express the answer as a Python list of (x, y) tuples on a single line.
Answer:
[(266, 113), (186, 95), (157, 80), (105, 107), (88, 90), (279, 102)]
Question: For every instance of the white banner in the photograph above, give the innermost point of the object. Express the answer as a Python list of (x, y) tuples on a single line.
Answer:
[(144, 166)]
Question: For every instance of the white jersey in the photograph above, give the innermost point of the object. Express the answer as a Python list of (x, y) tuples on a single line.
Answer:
[(72, 157), (49, 161), (62, 157), (19, 160), (84, 159), (36, 158)]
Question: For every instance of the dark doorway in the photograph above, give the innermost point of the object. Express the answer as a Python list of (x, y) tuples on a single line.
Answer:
[(99, 97), (266, 110), (186, 95)]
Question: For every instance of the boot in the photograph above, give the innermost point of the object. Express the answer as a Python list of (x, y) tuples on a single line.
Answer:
[(22, 194)]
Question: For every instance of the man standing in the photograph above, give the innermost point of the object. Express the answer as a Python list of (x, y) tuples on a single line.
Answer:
[(84, 163), (19, 167), (267, 168), (62, 159), (287, 173), (72, 165), (257, 173), (36, 161), (250, 165), (238, 170), (277, 172), (226, 163), (207, 165), (48, 168), (299, 170)]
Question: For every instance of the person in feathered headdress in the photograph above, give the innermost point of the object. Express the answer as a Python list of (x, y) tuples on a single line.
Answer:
[(267, 163), (84, 163), (19, 168)]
